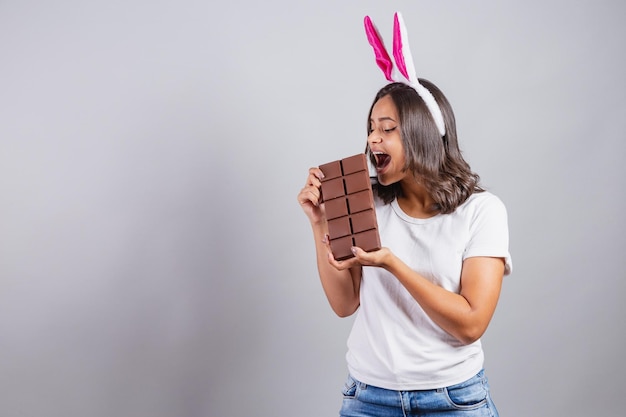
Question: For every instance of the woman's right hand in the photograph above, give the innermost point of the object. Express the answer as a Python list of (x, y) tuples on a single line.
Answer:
[(310, 196)]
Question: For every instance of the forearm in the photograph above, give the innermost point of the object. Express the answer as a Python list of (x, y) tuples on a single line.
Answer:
[(341, 287), (453, 312)]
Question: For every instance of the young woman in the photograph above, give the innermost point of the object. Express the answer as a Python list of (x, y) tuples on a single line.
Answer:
[(428, 295)]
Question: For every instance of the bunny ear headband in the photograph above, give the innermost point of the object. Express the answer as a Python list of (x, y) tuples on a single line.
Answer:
[(404, 64)]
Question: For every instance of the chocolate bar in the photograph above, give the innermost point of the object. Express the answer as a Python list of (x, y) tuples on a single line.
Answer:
[(349, 205)]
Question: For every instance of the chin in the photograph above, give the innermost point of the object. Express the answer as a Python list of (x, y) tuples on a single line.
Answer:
[(385, 181)]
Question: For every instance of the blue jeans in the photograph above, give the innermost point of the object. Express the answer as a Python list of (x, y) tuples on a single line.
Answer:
[(468, 399)]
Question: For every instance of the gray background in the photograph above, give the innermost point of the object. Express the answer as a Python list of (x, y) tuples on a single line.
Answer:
[(154, 260)]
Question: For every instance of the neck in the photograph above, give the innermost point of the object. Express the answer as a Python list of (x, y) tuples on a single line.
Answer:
[(416, 201)]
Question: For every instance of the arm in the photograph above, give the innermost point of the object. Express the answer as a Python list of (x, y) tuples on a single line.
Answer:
[(465, 315), (340, 286)]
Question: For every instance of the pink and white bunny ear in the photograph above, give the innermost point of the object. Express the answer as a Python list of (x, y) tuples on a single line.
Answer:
[(404, 63), (401, 50), (382, 57)]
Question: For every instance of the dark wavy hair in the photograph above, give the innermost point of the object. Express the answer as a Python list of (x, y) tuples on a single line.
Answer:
[(435, 161)]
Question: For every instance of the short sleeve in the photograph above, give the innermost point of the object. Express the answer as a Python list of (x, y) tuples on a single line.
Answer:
[(489, 231)]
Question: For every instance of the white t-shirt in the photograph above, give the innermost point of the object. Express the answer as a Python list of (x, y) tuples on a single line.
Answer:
[(393, 343)]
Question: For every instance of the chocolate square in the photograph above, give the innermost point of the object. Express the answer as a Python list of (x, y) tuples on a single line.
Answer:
[(339, 227), (333, 188), (357, 182), (363, 200), (342, 248), (332, 170), (352, 164), (362, 221), (337, 207), (368, 240)]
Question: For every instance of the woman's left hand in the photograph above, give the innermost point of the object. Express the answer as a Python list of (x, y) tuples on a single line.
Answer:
[(378, 258)]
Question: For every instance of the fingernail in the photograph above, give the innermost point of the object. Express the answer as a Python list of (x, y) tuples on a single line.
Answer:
[(353, 249)]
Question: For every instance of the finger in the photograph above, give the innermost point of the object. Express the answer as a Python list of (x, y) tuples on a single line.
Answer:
[(373, 258), (313, 181), (326, 242), (342, 265), (315, 171), (364, 258), (339, 265), (358, 252), (309, 194), (331, 257), (315, 177)]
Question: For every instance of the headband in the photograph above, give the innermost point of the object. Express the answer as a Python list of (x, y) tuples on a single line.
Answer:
[(404, 64)]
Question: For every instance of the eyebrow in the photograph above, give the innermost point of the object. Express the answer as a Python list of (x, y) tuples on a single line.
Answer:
[(381, 119)]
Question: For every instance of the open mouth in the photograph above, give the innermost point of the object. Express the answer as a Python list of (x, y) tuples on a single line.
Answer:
[(381, 160)]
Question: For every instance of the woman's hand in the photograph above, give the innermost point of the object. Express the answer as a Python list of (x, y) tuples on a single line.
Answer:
[(378, 258), (310, 196)]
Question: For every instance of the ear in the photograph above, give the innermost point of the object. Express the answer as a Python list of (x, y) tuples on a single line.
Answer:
[(382, 57), (401, 50)]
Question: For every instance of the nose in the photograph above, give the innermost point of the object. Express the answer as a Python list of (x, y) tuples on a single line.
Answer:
[(374, 138)]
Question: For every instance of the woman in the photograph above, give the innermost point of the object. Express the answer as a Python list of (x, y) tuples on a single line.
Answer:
[(424, 299)]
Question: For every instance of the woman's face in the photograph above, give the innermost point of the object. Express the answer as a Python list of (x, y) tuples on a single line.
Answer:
[(385, 142)]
